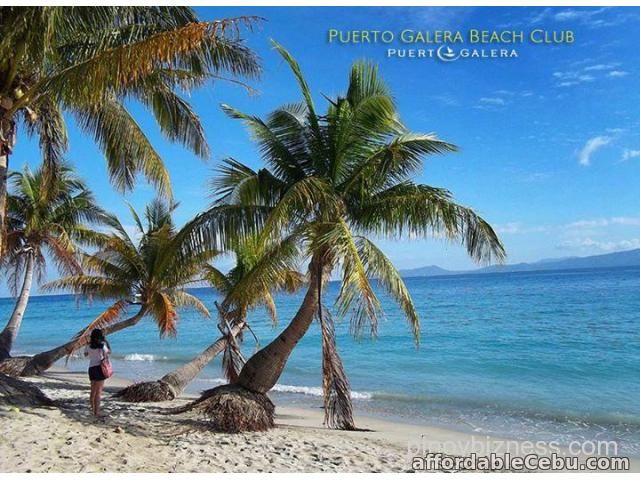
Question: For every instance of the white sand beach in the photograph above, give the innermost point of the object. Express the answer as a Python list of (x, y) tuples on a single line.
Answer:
[(141, 438)]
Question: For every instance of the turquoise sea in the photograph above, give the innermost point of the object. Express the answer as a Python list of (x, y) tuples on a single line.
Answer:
[(542, 355)]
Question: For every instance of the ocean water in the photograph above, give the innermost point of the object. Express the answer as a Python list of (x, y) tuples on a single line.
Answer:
[(541, 355)]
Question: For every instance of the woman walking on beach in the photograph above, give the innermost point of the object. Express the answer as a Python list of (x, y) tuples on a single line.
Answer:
[(98, 352)]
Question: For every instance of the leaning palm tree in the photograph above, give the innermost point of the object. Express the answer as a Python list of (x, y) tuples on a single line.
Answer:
[(241, 293), (148, 274), (47, 219), (90, 61), (333, 181)]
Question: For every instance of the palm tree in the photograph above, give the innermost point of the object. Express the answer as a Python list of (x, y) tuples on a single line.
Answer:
[(241, 294), (88, 61), (148, 274), (46, 219), (332, 182)]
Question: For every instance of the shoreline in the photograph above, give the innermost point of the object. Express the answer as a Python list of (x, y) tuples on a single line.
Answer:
[(139, 437)]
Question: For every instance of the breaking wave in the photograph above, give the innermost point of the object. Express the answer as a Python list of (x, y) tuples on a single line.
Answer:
[(310, 391)]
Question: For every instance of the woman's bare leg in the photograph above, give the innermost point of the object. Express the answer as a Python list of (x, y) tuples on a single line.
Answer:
[(98, 394), (92, 397)]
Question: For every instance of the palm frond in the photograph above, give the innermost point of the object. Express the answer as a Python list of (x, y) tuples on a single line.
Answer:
[(302, 84), (115, 69), (338, 409), (356, 298), (275, 150), (421, 211), (236, 183), (378, 266), (217, 279), (164, 313), (106, 318), (47, 122), (89, 286), (181, 298), (109, 123), (175, 117)]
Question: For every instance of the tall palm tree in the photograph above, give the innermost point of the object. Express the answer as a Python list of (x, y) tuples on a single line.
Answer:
[(47, 218), (88, 61), (334, 181), (148, 274), (241, 293)]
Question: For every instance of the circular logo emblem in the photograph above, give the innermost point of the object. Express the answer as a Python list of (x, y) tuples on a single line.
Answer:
[(447, 54)]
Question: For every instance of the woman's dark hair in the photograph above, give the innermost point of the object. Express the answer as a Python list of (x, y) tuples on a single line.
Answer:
[(97, 338)]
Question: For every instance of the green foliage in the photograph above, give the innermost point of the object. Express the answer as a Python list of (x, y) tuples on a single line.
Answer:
[(149, 268), (91, 61), (336, 181), (50, 215)]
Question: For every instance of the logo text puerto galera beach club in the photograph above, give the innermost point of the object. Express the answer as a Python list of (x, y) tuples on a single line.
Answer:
[(451, 45)]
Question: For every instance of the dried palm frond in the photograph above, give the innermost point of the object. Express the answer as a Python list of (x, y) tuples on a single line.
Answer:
[(156, 391), (106, 318), (232, 361), (14, 366), (338, 410), (233, 409), (17, 392)]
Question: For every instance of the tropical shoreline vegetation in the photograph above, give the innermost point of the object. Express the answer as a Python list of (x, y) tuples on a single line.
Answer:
[(332, 184)]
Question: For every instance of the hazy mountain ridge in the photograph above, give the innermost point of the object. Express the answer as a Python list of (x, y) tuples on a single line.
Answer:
[(626, 258)]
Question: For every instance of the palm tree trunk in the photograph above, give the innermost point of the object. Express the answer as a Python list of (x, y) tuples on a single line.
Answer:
[(43, 361), (262, 370), (182, 376), (4, 172), (10, 332), (7, 141)]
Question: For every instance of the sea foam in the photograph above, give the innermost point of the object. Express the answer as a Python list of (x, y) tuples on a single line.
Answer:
[(310, 391), (143, 357)]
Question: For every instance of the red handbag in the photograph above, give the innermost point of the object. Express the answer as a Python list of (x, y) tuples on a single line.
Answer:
[(105, 366)]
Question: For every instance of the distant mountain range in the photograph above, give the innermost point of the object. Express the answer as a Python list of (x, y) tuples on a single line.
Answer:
[(627, 258)]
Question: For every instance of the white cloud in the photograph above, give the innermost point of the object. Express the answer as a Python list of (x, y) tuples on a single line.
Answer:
[(626, 221), (589, 73), (592, 145), (628, 154), (603, 246), (580, 15), (600, 67), (570, 78), (617, 74), (604, 222), (492, 101), (446, 99), (590, 17), (436, 17), (516, 228), (508, 228)]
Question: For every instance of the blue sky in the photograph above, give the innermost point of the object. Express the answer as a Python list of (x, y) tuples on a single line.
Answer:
[(550, 144)]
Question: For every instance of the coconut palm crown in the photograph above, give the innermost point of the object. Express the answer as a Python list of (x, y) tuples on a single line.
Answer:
[(148, 270), (332, 183), (232, 313), (91, 62), (244, 290), (49, 217)]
